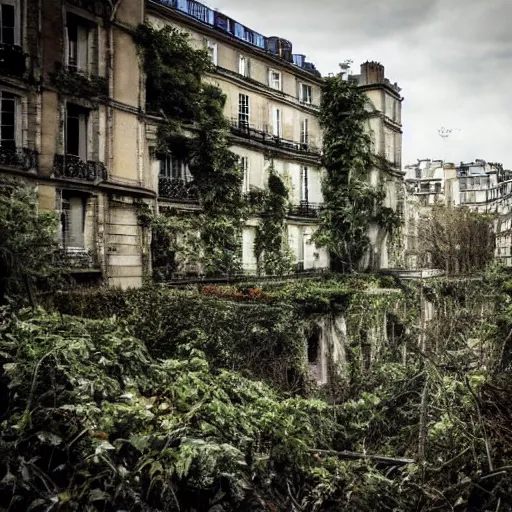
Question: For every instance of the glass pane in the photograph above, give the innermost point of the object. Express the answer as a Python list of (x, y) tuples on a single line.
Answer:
[(7, 16), (72, 136)]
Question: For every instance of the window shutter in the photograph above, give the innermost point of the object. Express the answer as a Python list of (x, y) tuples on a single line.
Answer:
[(83, 43), (66, 46)]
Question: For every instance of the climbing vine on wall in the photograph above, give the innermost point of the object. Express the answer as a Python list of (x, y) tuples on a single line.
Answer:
[(352, 203), (175, 89), (271, 245)]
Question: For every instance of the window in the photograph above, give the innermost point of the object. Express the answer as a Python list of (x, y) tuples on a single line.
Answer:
[(437, 188), (76, 131), (274, 79), (174, 169), (244, 165), (304, 184), (277, 122), (418, 174), (211, 48), (244, 66), (8, 22), (8, 110), (243, 110), (304, 132), (77, 36), (306, 94), (72, 221), (463, 183)]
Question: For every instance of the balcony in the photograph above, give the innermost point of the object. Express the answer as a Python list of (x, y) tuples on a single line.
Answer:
[(12, 60), (305, 210), (177, 189), (72, 258), (20, 158), (72, 167), (79, 84), (248, 132)]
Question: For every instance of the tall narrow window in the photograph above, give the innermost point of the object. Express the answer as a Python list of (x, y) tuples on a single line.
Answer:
[(244, 164), (174, 169), (7, 120), (304, 185), (243, 110), (277, 124), (306, 94), (72, 221), (211, 48), (304, 132), (274, 79), (77, 36), (8, 33), (244, 66), (76, 131)]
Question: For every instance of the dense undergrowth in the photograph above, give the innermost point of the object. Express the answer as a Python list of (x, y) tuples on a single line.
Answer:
[(94, 418)]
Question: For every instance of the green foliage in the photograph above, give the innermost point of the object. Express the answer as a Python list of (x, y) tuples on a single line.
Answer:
[(271, 245), (27, 241), (175, 89), (352, 203), (73, 83)]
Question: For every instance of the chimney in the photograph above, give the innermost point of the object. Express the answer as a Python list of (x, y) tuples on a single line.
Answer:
[(372, 73)]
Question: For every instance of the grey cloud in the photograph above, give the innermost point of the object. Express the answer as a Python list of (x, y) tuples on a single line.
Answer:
[(452, 58)]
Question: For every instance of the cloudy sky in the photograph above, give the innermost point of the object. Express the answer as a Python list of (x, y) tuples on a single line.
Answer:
[(452, 59)]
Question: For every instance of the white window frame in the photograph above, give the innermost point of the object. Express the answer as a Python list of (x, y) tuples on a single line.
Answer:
[(17, 118), (210, 45), (244, 66), (17, 27), (304, 132), (304, 196), (244, 164), (244, 110), (308, 98), (277, 122), (273, 82)]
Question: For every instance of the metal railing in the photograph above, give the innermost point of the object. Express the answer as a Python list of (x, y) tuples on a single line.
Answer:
[(21, 158), (12, 60), (247, 131), (75, 258), (72, 167), (98, 8), (177, 189), (305, 209)]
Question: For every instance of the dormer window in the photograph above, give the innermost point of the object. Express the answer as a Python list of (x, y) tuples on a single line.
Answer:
[(9, 32)]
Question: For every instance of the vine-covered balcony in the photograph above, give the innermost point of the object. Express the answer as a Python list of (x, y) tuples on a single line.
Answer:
[(20, 158), (76, 259), (79, 84), (247, 131), (72, 167), (305, 209), (177, 189), (12, 60)]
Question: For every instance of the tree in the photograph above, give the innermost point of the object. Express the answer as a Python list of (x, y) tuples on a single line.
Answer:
[(456, 239), (27, 240)]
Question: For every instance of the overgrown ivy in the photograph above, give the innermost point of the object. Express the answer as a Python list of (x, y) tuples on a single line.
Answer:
[(271, 244), (195, 130), (352, 202)]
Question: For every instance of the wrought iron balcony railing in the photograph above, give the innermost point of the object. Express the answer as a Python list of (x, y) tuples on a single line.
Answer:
[(74, 258), (242, 129), (72, 167), (177, 189), (21, 158), (305, 209), (97, 7), (12, 60)]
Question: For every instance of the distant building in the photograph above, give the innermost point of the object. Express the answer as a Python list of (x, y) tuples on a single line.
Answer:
[(480, 186)]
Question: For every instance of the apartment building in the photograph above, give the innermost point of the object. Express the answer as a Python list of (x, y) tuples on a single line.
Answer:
[(273, 98), (69, 125), (74, 123), (480, 186)]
